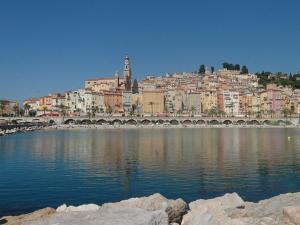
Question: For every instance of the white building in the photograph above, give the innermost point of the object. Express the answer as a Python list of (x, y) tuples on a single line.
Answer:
[(231, 102), (126, 100), (84, 101), (170, 101), (33, 103), (192, 102), (57, 102)]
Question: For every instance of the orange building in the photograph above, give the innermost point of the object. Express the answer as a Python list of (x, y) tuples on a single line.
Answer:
[(45, 103), (113, 101)]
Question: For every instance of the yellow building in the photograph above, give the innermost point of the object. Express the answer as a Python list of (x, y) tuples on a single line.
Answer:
[(255, 104), (45, 103), (209, 100), (153, 102), (32, 103), (179, 94), (103, 84)]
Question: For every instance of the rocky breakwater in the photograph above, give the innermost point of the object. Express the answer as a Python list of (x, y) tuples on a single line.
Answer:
[(13, 129), (229, 209)]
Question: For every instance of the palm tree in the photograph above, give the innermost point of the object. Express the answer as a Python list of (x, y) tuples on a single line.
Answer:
[(21, 112), (133, 108), (95, 109), (45, 109), (272, 113), (78, 111), (213, 111), (108, 109), (2, 107), (16, 109), (231, 106), (151, 104), (62, 108), (178, 112), (285, 112), (27, 108), (193, 110), (89, 113), (258, 114)]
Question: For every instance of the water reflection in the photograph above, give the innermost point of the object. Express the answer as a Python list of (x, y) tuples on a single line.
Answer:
[(52, 167)]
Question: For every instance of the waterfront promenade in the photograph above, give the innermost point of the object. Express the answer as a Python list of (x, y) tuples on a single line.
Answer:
[(117, 120)]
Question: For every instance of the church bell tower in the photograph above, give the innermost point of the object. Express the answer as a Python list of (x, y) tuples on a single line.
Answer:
[(127, 74)]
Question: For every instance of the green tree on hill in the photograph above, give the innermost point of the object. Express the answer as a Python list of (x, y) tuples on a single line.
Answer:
[(230, 66), (237, 67), (201, 69), (244, 70)]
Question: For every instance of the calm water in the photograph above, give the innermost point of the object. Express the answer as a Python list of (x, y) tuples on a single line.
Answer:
[(49, 168)]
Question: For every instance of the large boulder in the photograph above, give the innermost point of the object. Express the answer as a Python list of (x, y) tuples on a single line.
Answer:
[(212, 211), (116, 216), (273, 206), (174, 208), (81, 208), (225, 202), (282, 208), (231, 210), (293, 214), (17, 220)]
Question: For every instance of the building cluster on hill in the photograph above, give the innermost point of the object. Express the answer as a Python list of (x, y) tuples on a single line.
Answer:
[(8, 108), (230, 91)]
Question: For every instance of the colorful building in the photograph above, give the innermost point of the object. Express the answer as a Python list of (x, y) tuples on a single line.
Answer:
[(153, 102)]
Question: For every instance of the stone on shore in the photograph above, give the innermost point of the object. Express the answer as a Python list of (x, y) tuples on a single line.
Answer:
[(81, 208), (18, 220), (293, 213), (174, 208), (231, 210), (106, 216), (225, 202)]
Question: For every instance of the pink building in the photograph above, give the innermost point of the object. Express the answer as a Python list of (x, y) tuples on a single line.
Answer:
[(272, 102)]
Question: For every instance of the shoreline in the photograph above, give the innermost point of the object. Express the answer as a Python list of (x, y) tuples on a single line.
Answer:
[(25, 129), (103, 127), (229, 209), (15, 129)]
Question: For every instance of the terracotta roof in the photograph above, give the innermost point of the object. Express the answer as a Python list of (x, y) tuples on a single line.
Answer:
[(153, 91), (32, 100), (101, 78)]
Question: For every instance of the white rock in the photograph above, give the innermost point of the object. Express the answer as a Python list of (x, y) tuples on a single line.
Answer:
[(174, 208), (212, 211), (293, 213), (120, 216), (225, 202), (201, 219), (61, 208), (81, 208)]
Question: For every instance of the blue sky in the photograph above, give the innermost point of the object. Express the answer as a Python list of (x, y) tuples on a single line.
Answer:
[(54, 45)]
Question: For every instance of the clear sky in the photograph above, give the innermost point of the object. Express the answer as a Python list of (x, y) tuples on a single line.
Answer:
[(54, 45)]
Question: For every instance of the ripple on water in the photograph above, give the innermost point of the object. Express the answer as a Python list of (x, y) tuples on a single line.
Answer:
[(49, 168)]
